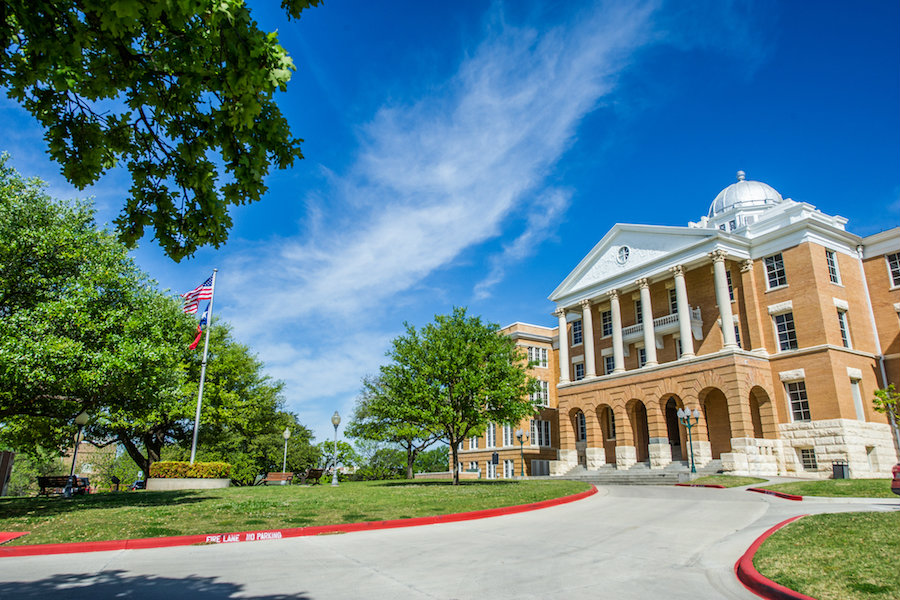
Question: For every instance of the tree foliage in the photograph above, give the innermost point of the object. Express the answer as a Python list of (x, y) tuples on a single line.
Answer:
[(454, 376), (374, 418), (172, 89)]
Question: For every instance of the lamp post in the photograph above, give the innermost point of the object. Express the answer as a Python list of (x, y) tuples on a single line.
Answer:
[(335, 420), (522, 436), (286, 435), (684, 416), (81, 420)]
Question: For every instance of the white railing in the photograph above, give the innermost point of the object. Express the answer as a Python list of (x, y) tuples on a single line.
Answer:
[(637, 330)]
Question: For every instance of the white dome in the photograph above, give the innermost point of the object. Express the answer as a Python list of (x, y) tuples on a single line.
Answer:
[(743, 194)]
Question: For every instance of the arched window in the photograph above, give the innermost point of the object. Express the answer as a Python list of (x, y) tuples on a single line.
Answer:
[(580, 427)]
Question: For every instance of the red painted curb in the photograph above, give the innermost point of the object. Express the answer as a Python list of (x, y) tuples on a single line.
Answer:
[(774, 493), (252, 536), (754, 581), (5, 536), (707, 485)]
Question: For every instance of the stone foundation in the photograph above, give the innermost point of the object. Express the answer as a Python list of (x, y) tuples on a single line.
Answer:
[(752, 457), (596, 458), (867, 447), (660, 453), (567, 460), (626, 457)]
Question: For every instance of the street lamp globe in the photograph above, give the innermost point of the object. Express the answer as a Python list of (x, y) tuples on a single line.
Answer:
[(287, 433), (82, 418), (335, 419)]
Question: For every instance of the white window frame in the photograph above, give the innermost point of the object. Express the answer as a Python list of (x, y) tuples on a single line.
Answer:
[(673, 302), (776, 276), (679, 349), (893, 266), (737, 334), (790, 334), (638, 312), (490, 471), (490, 436), (808, 459), (642, 356), (844, 327), (544, 360), (798, 401), (580, 427), (579, 371), (856, 393), (509, 468), (577, 332), (606, 324), (834, 272), (730, 285), (473, 442), (508, 436), (473, 466), (540, 433), (609, 364)]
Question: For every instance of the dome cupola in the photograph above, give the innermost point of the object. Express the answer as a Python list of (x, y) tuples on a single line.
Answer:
[(744, 194)]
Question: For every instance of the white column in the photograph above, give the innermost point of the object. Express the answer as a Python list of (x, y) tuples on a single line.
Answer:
[(684, 313), (647, 316), (563, 346), (618, 348), (722, 299), (587, 328)]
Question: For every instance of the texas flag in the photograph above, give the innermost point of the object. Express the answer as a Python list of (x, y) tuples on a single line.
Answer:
[(193, 346)]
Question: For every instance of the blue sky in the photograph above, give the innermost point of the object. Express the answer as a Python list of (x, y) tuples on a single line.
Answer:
[(471, 153)]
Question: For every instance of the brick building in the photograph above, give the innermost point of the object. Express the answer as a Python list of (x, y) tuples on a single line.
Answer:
[(812, 328)]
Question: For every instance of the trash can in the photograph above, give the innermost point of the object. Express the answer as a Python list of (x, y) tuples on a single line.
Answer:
[(840, 469)]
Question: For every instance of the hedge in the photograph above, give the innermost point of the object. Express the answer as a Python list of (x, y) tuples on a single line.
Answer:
[(177, 468)]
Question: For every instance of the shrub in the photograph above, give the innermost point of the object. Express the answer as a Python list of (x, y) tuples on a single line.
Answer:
[(202, 470)]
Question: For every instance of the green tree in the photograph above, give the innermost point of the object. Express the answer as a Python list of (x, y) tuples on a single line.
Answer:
[(174, 90), (887, 401), (346, 455), (374, 418), (80, 326), (435, 460), (455, 376)]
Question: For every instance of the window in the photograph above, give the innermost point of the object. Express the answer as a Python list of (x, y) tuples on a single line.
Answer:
[(580, 428), (473, 466), (490, 470), (609, 364), (787, 336), (775, 271), (678, 350), (808, 459), (606, 323), (538, 355), (579, 371), (799, 404), (893, 261), (642, 357), (673, 302), (473, 443), (542, 396), (722, 226), (540, 433), (638, 312), (831, 260), (737, 335), (540, 467), (845, 328), (509, 469), (507, 435), (610, 424), (576, 332), (490, 436), (857, 400), (730, 286), (732, 225)]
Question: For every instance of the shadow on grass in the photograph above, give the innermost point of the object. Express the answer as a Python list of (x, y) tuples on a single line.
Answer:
[(56, 505), (119, 584)]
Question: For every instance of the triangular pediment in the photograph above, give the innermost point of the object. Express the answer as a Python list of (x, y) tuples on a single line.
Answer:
[(625, 249)]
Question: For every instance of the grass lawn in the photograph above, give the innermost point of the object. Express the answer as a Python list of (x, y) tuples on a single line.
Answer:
[(112, 516), (838, 488), (843, 556), (727, 480)]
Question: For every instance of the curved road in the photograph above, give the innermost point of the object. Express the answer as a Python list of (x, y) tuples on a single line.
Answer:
[(624, 542)]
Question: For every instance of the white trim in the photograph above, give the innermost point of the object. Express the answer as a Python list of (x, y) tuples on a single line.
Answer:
[(841, 304), (781, 307), (793, 375), (853, 373)]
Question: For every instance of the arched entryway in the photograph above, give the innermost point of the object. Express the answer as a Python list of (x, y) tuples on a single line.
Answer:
[(579, 425), (718, 424), (606, 417), (762, 413), (637, 416), (674, 430)]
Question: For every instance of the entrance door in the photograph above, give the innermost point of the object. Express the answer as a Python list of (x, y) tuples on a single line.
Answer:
[(673, 429)]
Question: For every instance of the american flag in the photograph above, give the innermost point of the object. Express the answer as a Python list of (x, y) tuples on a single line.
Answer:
[(192, 299)]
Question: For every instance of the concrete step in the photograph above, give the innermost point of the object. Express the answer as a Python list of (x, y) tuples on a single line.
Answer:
[(640, 473)]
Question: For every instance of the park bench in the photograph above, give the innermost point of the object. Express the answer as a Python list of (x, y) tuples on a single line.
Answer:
[(62, 484), (311, 474), (281, 478)]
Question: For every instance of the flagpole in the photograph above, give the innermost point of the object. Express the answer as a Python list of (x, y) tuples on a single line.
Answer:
[(203, 366)]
